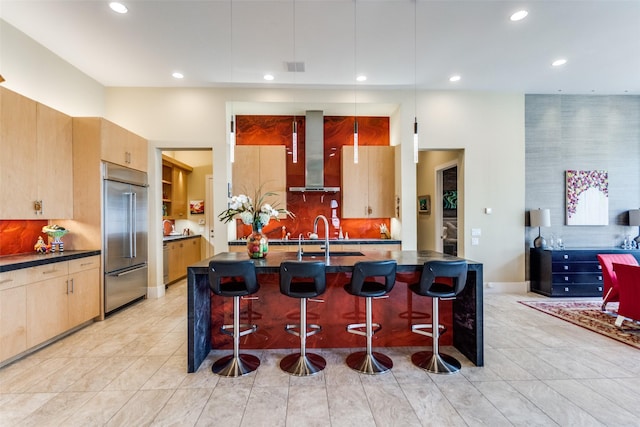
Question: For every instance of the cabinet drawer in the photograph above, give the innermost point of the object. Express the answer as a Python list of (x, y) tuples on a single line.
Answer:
[(82, 264), (47, 271), (11, 279), (593, 278), (585, 290), (561, 256), (576, 267)]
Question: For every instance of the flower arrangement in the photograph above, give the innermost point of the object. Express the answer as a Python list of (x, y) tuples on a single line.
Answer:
[(256, 214)]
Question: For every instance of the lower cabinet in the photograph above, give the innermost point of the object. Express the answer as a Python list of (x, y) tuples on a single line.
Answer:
[(40, 303), (182, 253)]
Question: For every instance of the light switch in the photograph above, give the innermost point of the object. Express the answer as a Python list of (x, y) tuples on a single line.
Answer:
[(476, 232), (475, 241)]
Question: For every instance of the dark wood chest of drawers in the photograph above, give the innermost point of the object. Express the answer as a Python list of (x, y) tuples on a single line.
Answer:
[(569, 272)]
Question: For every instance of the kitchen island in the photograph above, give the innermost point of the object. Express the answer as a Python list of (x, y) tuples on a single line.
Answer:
[(207, 312)]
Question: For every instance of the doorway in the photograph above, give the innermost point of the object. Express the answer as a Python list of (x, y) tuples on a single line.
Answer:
[(447, 200)]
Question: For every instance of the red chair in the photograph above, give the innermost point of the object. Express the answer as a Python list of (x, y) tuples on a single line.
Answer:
[(610, 289), (629, 289)]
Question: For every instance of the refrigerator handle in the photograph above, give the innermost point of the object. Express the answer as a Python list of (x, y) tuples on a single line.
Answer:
[(134, 221), (130, 224)]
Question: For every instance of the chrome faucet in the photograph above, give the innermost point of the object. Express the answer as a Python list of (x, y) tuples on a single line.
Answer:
[(300, 247), (326, 235)]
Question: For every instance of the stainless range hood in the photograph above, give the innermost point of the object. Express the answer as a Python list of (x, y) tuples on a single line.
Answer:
[(314, 155)]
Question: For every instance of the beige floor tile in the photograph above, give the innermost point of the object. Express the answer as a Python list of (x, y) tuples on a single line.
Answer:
[(141, 409), (183, 408)]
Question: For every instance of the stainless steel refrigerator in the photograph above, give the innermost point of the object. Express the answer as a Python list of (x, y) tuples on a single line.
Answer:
[(125, 235)]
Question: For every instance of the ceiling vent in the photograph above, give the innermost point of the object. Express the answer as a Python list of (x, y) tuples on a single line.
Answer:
[(294, 67)]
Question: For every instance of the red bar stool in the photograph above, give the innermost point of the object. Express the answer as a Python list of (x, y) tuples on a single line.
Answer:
[(303, 280), (434, 361), (242, 281), (370, 362)]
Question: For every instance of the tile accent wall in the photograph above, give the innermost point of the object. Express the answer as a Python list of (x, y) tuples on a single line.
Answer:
[(19, 236), (582, 132), (338, 131)]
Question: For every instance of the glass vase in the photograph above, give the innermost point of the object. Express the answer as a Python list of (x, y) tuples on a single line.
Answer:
[(257, 243)]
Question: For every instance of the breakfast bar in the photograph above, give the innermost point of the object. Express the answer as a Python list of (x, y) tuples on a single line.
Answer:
[(270, 310)]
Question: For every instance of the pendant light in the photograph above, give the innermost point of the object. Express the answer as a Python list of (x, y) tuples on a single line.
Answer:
[(415, 66), (232, 127), (355, 85), (294, 134)]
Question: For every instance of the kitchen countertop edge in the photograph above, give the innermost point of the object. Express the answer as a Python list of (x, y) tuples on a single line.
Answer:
[(291, 242), (180, 237), (20, 261)]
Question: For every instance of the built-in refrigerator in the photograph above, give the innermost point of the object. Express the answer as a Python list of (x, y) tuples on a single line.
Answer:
[(126, 229)]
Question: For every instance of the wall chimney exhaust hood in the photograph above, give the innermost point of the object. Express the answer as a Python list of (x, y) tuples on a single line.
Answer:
[(314, 156)]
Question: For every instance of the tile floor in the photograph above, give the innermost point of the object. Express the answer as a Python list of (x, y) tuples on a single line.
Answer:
[(130, 370)]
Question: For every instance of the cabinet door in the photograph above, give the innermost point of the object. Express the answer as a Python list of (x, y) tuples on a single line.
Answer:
[(84, 296), (273, 174), (179, 193), (54, 163), (355, 186), (191, 251), (19, 177), (246, 170), (137, 148), (176, 261), (47, 309), (114, 143), (13, 321), (381, 178)]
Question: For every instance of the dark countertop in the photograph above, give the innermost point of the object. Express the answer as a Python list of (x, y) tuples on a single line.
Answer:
[(19, 261), (292, 242), (179, 237)]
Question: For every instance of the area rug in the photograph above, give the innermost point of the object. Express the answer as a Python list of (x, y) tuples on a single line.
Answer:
[(588, 315)]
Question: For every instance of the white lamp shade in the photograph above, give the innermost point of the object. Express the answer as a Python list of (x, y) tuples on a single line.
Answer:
[(634, 217), (540, 218)]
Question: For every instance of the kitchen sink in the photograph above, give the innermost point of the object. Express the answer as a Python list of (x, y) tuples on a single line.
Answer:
[(332, 253)]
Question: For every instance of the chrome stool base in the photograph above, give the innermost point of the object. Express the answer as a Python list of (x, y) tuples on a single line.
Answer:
[(230, 366), (303, 365), (436, 363), (369, 363)]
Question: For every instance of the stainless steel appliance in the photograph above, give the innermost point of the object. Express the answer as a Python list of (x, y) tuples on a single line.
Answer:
[(125, 235)]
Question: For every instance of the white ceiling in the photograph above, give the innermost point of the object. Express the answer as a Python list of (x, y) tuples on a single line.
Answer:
[(223, 43)]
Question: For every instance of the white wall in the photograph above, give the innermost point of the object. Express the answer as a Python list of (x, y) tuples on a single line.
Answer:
[(35, 72)]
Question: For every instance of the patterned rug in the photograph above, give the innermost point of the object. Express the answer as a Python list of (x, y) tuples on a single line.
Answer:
[(588, 315)]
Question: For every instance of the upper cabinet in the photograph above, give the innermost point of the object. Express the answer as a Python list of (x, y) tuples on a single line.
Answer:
[(123, 147), (368, 186), (261, 167), (174, 188), (36, 161)]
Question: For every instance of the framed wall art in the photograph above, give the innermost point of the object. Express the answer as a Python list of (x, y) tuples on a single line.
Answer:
[(196, 207), (424, 204), (587, 197)]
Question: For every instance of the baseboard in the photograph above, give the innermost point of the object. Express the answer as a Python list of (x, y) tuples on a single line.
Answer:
[(506, 287), (155, 292)]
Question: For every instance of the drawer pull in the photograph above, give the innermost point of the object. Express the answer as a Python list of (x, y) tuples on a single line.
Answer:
[(84, 264), (565, 256), (600, 278), (566, 278), (566, 267), (50, 271), (600, 288), (566, 289), (6, 281)]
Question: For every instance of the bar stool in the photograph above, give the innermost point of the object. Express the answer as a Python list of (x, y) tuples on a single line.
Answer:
[(434, 361), (242, 281), (370, 362), (303, 280)]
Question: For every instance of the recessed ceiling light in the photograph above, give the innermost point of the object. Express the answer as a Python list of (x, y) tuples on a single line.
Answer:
[(268, 77), (559, 62), (361, 78), (519, 15), (455, 78), (118, 7), (178, 75)]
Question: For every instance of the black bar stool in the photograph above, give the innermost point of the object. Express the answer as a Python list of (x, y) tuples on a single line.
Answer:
[(242, 281), (370, 362), (304, 280), (434, 361)]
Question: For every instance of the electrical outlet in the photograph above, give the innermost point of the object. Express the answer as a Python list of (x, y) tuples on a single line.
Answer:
[(475, 241)]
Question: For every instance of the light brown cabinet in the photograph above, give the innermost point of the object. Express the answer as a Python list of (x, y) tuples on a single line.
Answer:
[(261, 165), (368, 186), (123, 147), (36, 161), (182, 253), (175, 188), (40, 303)]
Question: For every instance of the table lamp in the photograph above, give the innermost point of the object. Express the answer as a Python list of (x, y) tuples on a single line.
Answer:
[(540, 218), (634, 220)]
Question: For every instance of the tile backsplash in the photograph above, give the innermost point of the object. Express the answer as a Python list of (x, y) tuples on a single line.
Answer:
[(19, 236)]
